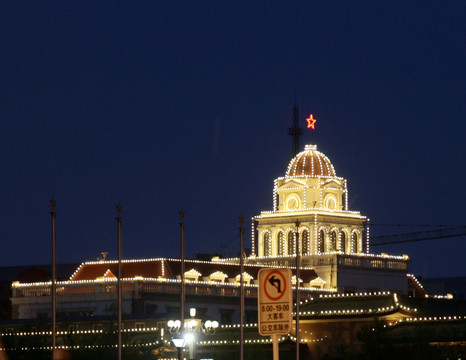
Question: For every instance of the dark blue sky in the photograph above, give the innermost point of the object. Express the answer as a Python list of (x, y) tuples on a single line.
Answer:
[(163, 105)]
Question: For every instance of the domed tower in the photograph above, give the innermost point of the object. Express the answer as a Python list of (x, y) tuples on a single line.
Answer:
[(312, 194), (310, 204), (310, 182)]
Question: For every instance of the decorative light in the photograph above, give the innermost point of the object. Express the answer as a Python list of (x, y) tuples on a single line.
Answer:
[(189, 337)]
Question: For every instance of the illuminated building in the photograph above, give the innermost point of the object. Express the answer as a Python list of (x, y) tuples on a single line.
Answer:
[(311, 201), (333, 247), (343, 286), (151, 287)]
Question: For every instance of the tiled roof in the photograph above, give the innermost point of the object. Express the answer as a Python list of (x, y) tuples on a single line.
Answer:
[(170, 269), (350, 304), (144, 268), (206, 268), (364, 304)]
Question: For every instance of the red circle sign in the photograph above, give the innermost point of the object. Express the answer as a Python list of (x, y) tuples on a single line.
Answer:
[(278, 284)]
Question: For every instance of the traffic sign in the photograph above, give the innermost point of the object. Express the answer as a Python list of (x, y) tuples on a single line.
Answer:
[(274, 301)]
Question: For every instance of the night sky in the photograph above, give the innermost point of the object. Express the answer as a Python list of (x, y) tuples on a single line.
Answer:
[(169, 105)]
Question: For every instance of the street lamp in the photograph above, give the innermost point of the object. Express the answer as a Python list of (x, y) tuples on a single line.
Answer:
[(174, 326), (179, 344), (190, 328), (210, 327)]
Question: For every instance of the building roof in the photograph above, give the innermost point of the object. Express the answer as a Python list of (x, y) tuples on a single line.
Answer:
[(99, 269), (310, 163), (170, 269), (353, 305), (378, 304)]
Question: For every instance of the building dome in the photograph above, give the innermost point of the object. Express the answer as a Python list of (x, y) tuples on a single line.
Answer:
[(310, 163)]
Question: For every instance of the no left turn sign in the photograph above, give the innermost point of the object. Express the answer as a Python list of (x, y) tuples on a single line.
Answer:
[(275, 285), (275, 301)]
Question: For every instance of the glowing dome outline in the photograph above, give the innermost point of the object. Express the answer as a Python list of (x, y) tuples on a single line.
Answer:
[(320, 165)]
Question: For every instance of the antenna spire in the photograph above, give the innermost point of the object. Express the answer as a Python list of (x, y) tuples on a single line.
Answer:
[(295, 131)]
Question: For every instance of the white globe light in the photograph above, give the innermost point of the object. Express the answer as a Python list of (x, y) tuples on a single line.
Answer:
[(177, 323), (208, 324), (171, 323), (215, 324)]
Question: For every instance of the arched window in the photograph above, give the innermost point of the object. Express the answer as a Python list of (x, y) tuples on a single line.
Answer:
[(280, 244), (305, 247), (321, 241), (333, 241), (267, 245), (343, 242), (330, 203), (291, 247), (354, 242)]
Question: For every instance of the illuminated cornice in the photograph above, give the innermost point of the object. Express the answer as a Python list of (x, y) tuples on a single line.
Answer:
[(360, 255), (397, 306), (310, 212)]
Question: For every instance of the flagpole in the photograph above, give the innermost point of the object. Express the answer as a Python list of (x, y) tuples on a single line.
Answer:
[(54, 279), (119, 280), (241, 263)]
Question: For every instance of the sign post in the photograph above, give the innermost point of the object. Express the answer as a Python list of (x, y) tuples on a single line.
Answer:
[(274, 304)]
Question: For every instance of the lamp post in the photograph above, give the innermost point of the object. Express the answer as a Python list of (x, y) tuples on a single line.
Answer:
[(192, 326), (179, 344)]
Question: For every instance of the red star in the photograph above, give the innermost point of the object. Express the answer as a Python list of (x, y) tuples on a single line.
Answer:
[(311, 122)]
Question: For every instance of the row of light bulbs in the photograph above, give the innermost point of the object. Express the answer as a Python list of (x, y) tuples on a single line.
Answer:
[(77, 347), (224, 342)]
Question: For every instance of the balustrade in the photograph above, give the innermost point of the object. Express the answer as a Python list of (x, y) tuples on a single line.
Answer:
[(70, 289)]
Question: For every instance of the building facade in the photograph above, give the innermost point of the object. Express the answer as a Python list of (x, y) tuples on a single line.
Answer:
[(310, 217), (151, 287)]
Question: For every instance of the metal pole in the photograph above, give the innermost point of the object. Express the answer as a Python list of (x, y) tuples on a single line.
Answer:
[(54, 280), (182, 281), (119, 280), (298, 266), (276, 353), (241, 266)]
